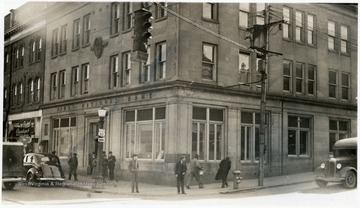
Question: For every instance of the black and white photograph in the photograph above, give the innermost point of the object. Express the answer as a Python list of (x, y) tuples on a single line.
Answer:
[(179, 104)]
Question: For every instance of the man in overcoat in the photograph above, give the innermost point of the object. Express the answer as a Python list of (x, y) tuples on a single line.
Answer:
[(111, 163), (134, 171), (224, 167), (73, 165), (195, 169), (180, 171)]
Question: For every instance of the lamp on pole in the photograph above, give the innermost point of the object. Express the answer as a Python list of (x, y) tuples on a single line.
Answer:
[(99, 147)]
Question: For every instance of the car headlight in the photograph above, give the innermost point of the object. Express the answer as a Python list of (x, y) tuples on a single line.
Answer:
[(322, 165), (338, 166)]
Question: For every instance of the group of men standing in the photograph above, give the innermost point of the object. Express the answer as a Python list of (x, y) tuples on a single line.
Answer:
[(108, 166), (196, 170)]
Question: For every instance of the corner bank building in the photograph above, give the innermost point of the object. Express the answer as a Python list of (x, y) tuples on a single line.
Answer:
[(197, 91)]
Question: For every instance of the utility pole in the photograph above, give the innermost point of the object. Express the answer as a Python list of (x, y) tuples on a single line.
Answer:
[(263, 66)]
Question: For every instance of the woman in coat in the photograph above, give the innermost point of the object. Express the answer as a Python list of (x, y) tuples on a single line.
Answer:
[(224, 167)]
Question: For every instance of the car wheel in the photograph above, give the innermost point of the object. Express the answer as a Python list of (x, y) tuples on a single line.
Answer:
[(321, 184), (350, 179), (9, 185), (30, 179)]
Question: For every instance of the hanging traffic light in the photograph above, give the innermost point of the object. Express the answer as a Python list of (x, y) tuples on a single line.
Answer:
[(142, 25)]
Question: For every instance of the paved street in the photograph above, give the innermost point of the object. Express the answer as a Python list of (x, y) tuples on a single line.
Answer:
[(303, 194)]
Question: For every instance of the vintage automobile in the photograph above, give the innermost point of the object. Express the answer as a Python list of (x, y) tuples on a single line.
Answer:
[(13, 170), (43, 169), (342, 167)]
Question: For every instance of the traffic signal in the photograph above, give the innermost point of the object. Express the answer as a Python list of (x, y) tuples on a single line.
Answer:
[(142, 25), (258, 40)]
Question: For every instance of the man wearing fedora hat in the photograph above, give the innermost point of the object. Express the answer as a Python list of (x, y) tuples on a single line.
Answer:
[(180, 171), (195, 168), (134, 169)]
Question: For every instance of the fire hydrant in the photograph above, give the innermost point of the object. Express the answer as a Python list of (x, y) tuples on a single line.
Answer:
[(237, 179)]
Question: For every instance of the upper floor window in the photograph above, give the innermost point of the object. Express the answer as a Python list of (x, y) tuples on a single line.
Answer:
[(244, 9), (62, 83), (76, 34), (30, 91), (287, 76), (32, 56), (209, 62), (311, 80), (287, 23), (85, 76), (14, 95), (331, 35), (310, 29), (260, 13), (244, 67), (344, 39), (115, 18), (53, 85), (20, 94), (145, 76), (127, 14), (345, 86), (37, 90), (63, 39), (86, 30), (114, 71), (161, 60), (210, 11), (160, 12), (55, 42), (126, 67), (299, 83), (332, 84), (21, 56), (39, 48), (74, 80), (299, 26)]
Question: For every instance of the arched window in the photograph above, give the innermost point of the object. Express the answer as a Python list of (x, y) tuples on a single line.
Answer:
[(31, 91), (37, 90), (32, 51), (21, 56), (20, 94), (14, 95), (39, 49)]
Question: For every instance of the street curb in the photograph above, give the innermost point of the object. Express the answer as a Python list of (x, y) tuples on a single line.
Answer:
[(232, 191), (82, 189)]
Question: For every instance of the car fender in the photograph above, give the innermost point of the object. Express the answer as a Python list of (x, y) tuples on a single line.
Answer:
[(319, 172), (345, 170), (33, 171)]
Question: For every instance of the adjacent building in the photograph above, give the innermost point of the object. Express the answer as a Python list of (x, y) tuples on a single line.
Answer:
[(193, 94)]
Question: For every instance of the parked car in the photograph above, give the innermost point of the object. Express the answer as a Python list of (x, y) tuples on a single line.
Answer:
[(43, 168), (342, 167)]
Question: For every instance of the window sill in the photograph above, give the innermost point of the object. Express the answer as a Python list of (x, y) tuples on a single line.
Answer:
[(312, 45), (332, 51), (161, 19), (114, 35), (126, 30), (345, 54), (54, 56), (287, 39), (85, 45), (209, 20), (75, 49), (62, 54)]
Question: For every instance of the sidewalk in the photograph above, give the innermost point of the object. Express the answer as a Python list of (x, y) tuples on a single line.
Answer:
[(123, 188)]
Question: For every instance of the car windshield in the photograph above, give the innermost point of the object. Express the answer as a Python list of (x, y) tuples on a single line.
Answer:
[(345, 152)]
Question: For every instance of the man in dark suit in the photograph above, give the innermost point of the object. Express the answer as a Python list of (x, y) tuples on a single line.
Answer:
[(180, 171), (112, 161)]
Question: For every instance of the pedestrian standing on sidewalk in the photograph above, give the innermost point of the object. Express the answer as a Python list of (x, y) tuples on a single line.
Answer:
[(195, 169), (73, 164), (224, 167), (104, 167), (180, 171), (134, 171), (92, 163), (112, 161)]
